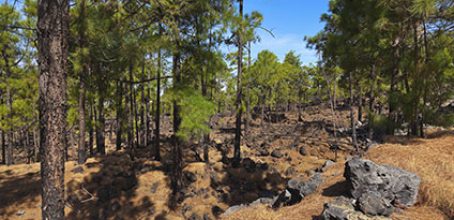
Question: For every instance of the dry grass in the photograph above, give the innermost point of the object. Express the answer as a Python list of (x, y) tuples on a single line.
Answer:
[(432, 160)]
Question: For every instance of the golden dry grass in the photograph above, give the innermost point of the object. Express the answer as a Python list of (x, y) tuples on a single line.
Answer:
[(432, 160)]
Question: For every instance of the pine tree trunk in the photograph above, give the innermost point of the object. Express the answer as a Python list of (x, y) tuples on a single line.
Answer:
[(136, 118), (130, 113), (119, 115), (157, 154), (82, 151), (177, 182), (352, 115), (53, 29), (92, 118), (100, 127), (239, 110), (143, 125), (3, 146)]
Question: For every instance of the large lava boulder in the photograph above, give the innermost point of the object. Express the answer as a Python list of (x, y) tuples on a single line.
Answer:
[(380, 185)]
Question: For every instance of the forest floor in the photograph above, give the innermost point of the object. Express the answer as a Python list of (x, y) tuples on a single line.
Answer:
[(115, 187)]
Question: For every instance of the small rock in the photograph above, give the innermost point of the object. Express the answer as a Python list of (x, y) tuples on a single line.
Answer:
[(303, 151), (154, 187), (277, 154), (216, 210), (78, 169), (290, 171), (233, 209), (190, 177), (342, 209), (263, 152), (327, 164), (20, 213)]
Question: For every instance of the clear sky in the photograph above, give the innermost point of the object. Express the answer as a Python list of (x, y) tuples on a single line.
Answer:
[(290, 21)]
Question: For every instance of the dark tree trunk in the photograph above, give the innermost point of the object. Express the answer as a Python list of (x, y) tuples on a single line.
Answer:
[(36, 145), (143, 123), (100, 127), (53, 29), (157, 154), (82, 151), (238, 103), (136, 118), (352, 115), (3, 147), (177, 81), (176, 148), (119, 115), (92, 118), (130, 113), (9, 158)]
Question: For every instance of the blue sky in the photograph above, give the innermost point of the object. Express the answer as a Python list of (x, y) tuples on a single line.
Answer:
[(290, 21)]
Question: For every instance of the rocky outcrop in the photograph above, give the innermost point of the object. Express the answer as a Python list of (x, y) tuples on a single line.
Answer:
[(396, 186)]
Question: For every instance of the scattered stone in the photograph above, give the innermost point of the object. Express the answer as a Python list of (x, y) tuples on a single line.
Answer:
[(290, 171), (263, 152), (396, 185), (342, 209), (78, 169), (297, 189), (20, 213), (326, 165), (154, 187), (194, 216), (303, 151), (190, 177), (233, 209), (216, 210), (305, 188), (285, 199), (277, 154)]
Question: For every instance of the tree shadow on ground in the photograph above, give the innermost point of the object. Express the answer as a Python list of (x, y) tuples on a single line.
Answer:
[(17, 190), (109, 193), (248, 182)]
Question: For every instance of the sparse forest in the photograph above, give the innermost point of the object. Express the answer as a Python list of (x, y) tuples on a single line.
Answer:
[(162, 109)]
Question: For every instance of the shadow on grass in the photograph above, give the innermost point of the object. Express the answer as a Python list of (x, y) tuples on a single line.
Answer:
[(17, 190)]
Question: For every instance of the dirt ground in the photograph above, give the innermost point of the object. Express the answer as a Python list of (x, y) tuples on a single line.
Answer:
[(115, 187)]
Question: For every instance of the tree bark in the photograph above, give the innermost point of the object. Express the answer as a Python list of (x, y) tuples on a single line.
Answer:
[(92, 118), (3, 147), (119, 116), (100, 126), (352, 115), (53, 29), (82, 151), (157, 154), (238, 103), (130, 113)]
